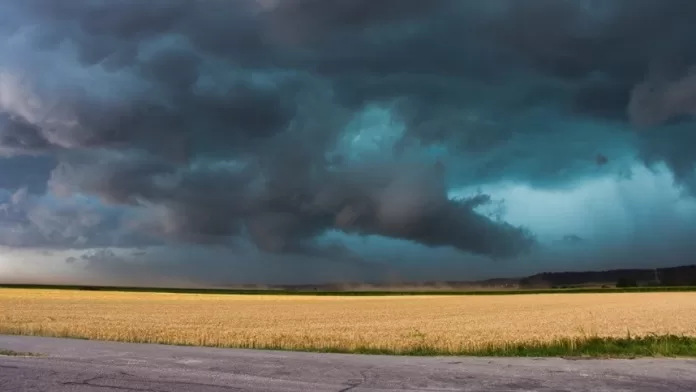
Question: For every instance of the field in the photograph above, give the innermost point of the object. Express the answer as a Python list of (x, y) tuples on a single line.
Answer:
[(542, 324)]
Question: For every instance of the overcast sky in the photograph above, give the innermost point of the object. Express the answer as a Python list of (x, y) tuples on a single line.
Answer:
[(268, 141)]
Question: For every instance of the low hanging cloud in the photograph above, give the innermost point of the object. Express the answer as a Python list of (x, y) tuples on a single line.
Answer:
[(221, 123), (30, 221)]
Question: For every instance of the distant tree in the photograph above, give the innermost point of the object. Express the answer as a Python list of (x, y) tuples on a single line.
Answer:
[(626, 282)]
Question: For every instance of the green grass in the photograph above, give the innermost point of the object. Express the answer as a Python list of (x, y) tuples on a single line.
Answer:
[(650, 289), (598, 347), (11, 353)]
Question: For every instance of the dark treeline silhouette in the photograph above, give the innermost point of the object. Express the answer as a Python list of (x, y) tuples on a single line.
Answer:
[(674, 276)]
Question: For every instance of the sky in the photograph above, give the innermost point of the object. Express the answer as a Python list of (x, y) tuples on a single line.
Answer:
[(312, 141)]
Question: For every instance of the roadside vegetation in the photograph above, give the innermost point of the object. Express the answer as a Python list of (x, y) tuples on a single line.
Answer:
[(11, 353)]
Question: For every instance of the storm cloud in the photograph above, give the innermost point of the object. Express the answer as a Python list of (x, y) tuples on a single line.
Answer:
[(275, 123)]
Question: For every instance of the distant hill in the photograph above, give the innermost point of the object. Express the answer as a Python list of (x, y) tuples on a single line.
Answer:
[(674, 276)]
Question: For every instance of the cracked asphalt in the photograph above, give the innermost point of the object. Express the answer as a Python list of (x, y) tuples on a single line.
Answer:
[(67, 365)]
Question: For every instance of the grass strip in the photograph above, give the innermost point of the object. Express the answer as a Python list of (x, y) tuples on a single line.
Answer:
[(585, 347), (11, 353)]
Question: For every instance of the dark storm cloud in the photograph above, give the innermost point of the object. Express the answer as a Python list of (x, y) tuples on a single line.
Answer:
[(211, 202), (20, 137), (583, 59), (218, 120), (634, 64)]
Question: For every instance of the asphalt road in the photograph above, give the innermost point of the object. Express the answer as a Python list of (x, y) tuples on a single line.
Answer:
[(85, 366)]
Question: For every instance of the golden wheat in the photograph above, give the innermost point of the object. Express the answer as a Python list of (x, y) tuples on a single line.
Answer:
[(398, 323)]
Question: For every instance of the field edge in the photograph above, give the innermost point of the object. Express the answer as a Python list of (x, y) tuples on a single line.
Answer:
[(585, 347), (353, 293)]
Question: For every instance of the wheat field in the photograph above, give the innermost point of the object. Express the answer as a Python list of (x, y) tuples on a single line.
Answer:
[(396, 324)]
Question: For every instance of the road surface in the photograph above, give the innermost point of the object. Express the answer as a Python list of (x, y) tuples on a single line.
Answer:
[(85, 366)]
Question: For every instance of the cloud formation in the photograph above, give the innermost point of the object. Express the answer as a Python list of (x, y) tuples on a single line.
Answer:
[(224, 123)]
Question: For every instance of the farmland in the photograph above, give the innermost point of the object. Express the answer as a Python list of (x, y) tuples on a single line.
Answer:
[(418, 324)]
